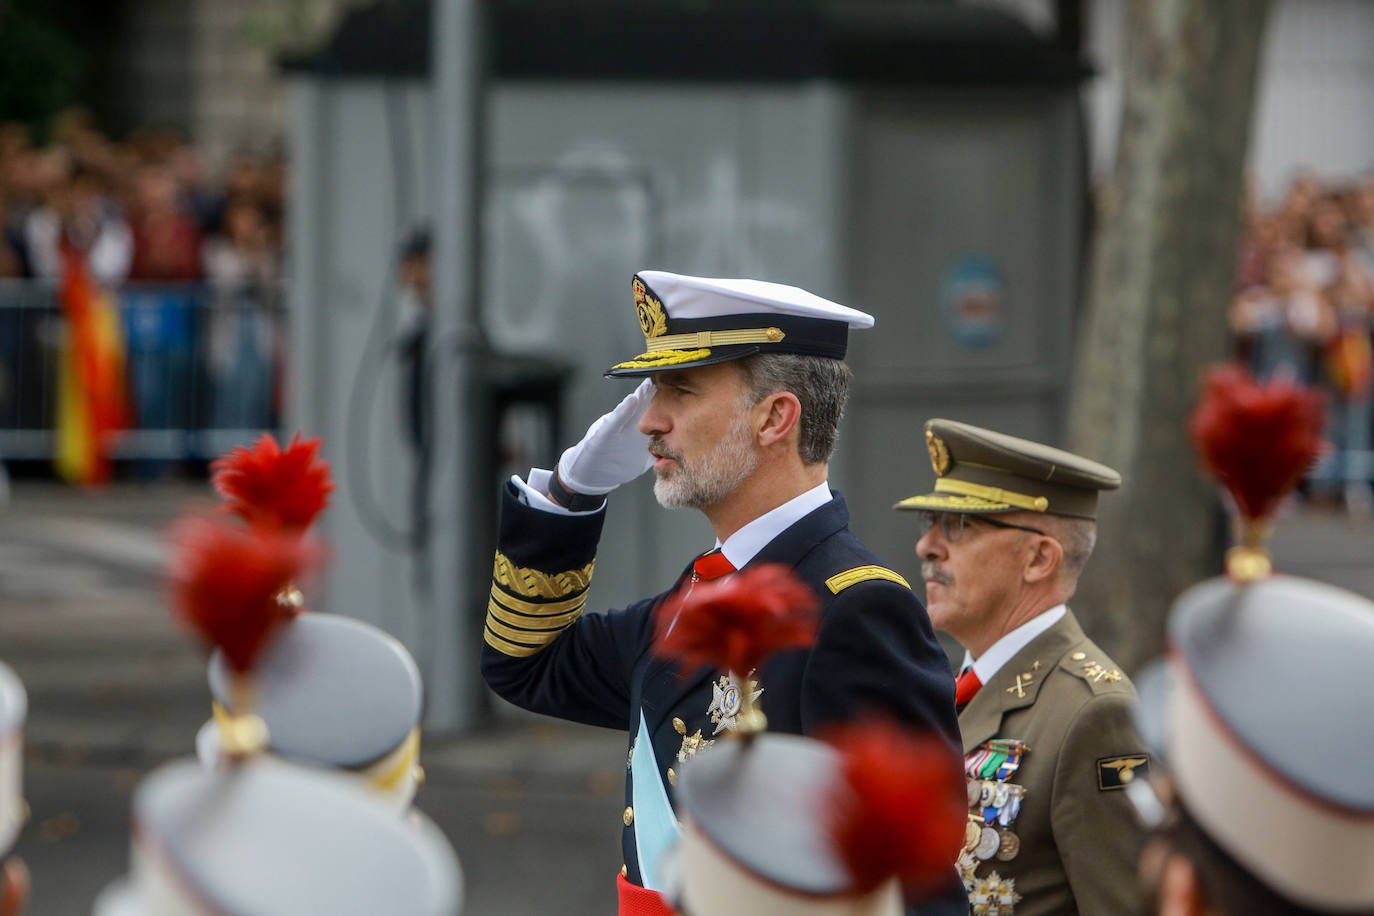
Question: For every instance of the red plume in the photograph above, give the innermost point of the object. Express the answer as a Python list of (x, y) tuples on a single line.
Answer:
[(226, 579), (269, 485), (900, 808), (734, 622), (1257, 440)]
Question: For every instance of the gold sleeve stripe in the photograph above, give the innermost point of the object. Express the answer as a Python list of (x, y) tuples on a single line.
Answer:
[(532, 583), (523, 637), (510, 648), (841, 581), (546, 609), (516, 619)]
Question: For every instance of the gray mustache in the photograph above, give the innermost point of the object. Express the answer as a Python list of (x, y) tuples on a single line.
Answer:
[(657, 446), (935, 574)]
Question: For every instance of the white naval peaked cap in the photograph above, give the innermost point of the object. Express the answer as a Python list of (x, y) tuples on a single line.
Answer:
[(269, 838), (335, 692), (1263, 720), (710, 297), (698, 321), (14, 709)]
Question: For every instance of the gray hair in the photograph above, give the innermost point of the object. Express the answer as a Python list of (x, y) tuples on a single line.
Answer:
[(821, 385), (1078, 537)]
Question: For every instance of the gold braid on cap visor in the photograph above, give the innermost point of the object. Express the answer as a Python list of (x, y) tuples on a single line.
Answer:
[(992, 494), (703, 339), (676, 349), (658, 358)]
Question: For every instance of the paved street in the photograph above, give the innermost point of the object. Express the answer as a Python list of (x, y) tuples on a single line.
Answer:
[(533, 807)]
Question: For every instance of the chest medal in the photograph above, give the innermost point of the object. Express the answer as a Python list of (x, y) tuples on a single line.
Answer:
[(691, 744), (994, 802), (727, 698)]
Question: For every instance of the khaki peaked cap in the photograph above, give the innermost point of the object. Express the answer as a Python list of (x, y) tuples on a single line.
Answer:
[(981, 472)]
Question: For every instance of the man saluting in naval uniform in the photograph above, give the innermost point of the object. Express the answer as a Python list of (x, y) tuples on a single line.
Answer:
[(744, 385)]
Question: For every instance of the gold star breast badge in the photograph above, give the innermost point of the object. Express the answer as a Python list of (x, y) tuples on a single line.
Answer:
[(726, 699)]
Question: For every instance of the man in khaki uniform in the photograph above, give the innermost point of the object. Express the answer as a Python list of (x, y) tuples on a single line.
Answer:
[(1049, 742)]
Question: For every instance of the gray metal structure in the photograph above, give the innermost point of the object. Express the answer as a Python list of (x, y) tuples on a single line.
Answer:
[(922, 162)]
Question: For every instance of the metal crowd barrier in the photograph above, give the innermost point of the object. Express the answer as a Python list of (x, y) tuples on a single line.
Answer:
[(203, 367)]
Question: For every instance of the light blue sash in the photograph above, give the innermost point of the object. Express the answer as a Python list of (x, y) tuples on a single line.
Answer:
[(655, 825)]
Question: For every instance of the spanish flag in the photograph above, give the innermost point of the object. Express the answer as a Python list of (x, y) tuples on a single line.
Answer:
[(91, 401)]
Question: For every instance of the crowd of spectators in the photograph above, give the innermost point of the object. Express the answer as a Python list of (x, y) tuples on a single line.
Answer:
[(1304, 308), (194, 258)]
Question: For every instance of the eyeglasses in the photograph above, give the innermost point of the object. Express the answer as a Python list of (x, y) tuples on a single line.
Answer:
[(952, 524)]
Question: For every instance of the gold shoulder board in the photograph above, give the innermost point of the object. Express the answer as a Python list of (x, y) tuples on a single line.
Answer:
[(841, 581)]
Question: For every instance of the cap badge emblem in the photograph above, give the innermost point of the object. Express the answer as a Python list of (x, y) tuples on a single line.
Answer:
[(939, 454), (652, 319)]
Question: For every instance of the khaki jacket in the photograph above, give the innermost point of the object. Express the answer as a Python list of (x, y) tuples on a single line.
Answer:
[(1079, 839)]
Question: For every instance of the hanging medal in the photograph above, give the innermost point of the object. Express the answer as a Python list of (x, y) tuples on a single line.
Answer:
[(994, 804)]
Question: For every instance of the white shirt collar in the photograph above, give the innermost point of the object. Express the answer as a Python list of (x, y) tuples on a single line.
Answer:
[(990, 662), (745, 544)]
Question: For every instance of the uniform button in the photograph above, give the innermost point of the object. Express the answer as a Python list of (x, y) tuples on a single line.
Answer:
[(629, 816), (672, 777), (1078, 656), (624, 871)]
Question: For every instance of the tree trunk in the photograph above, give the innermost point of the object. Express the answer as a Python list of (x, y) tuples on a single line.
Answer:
[(1161, 281)]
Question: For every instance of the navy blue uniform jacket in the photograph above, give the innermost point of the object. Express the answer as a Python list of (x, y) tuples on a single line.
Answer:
[(875, 649)]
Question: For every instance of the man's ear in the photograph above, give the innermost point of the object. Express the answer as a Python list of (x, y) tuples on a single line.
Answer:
[(1046, 562), (1180, 892), (781, 414)]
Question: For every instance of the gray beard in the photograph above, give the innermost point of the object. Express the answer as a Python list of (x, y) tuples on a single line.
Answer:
[(713, 477)]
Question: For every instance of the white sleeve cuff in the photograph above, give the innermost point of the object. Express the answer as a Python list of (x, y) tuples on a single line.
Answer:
[(532, 492)]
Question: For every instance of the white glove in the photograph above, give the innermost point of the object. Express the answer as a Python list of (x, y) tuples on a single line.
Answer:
[(613, 451)]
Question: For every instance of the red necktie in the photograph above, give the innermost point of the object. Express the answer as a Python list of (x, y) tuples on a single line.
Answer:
[(966, 685), (712, 565)]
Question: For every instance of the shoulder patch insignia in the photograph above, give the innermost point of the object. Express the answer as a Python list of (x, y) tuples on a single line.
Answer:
[(841, 581), (1120, 772)]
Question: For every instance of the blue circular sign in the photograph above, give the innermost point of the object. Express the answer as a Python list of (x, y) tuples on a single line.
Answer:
[(972, 294)]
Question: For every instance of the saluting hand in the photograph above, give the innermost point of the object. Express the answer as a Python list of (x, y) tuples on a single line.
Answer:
[(613, 451)]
